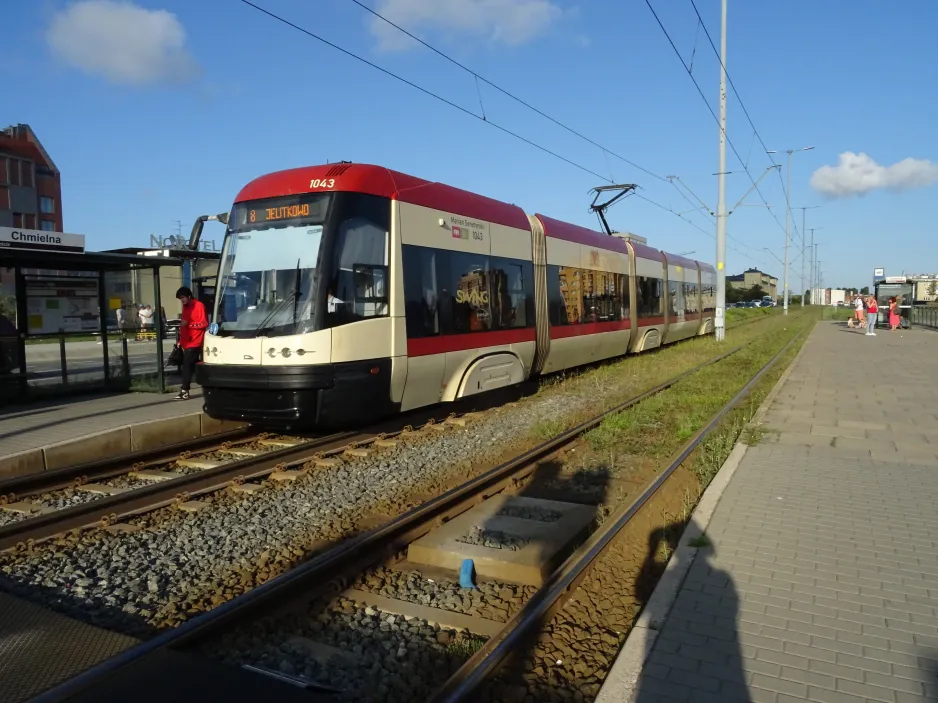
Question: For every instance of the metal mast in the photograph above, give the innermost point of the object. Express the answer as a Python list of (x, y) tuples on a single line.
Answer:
[(719, 322)]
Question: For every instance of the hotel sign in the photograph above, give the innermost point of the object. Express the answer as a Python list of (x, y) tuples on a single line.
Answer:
[(41, 240)]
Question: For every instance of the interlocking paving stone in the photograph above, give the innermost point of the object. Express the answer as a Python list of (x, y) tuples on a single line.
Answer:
[(40, 648), (821, 581)]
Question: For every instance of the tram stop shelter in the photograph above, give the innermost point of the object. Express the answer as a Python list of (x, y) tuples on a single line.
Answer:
[(71, 321), (900, 288)]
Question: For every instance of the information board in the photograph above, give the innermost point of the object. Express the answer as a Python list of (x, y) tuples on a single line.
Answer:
[(66, 304)]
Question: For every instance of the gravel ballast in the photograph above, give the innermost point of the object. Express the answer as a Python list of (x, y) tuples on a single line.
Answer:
[(180, 564)]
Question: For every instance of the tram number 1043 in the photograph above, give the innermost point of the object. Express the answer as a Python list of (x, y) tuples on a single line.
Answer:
[(322, 183)]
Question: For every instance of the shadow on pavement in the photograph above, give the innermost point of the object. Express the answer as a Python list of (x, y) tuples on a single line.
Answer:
[(697, 655)]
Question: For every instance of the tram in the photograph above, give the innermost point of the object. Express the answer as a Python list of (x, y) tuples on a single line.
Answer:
[(349, 292)]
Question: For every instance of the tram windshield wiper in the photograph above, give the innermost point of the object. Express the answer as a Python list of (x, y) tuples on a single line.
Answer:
[(294, 298)]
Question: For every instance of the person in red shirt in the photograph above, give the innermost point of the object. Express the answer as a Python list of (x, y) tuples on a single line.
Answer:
[(191, 334)]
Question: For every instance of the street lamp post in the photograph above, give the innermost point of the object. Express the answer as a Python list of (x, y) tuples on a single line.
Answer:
[(788, 219)]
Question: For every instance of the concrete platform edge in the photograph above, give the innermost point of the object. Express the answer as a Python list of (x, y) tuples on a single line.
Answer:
[(621, 682), (117, 441)]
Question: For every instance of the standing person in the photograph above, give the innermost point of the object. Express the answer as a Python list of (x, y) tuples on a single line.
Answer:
[(872, 315), (858, 310), (191, 334), (893, 314)]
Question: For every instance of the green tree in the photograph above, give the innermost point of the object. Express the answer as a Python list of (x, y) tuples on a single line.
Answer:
[(865, 290), (755, 293), (931, 288)]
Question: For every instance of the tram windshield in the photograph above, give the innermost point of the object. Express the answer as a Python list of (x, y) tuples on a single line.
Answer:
[(267, 281)]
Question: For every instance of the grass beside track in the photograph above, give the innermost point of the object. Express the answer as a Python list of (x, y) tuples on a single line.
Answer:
[(659, 426), (612, 382)]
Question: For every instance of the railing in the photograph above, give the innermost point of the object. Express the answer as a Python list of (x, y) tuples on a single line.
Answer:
[(925, 316)]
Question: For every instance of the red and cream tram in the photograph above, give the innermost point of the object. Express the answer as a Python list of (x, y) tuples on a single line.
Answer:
[(349, 292)]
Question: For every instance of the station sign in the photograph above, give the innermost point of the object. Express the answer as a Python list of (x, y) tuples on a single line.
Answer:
[(41, 240), (879, 275)]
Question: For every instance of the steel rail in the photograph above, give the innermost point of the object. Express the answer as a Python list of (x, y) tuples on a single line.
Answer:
[(319, 572), (477, 668), (153, 496), (107, 468)]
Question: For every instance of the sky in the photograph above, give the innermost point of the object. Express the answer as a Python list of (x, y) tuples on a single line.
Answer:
[(158, 111)]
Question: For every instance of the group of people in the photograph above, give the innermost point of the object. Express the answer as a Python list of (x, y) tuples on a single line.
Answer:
[(866, 310), (144, 316)]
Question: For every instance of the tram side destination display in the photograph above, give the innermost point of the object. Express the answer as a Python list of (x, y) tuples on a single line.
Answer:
[(63, 304), (40, 240)]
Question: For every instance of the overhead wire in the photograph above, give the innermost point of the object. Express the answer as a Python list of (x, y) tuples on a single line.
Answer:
[(425, 90), (506, 92), (742, 105), (712, 113), (696, 226), (481, 118)]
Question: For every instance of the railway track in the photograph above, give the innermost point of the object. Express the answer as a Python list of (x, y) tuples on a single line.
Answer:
[(331, 571), (116, 490), (102, 493)]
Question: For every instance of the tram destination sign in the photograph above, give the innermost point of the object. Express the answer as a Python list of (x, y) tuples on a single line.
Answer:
[(41, 240)]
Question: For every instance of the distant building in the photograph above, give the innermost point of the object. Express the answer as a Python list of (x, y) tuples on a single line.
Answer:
[(754, 277), (126, 290), (30, 182), (926, 287)]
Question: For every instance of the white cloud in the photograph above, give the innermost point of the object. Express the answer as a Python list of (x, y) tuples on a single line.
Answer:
[(510, 22), (123, 42), (856, 174)]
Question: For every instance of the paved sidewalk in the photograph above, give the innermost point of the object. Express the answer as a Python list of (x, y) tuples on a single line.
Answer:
[(37, 425), (821, 581)]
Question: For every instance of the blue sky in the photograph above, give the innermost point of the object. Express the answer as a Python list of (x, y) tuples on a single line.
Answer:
[(161, 110)]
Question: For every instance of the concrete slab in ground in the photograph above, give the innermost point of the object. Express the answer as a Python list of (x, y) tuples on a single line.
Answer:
[(537, 546)]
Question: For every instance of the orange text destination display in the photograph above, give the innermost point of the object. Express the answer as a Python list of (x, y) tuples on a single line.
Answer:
[(273, 214)]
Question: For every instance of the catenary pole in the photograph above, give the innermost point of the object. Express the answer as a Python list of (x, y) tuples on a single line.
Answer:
[(719, 323), (802, 255), (811, 271), (787, 233)]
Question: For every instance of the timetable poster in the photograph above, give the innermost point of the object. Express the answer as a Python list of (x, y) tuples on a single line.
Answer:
[(67, 305)]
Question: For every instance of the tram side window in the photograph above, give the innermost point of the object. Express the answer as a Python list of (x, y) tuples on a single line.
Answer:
[(650, 293), (603, 297), (579, 296), (421, 301), (556, 309), (511, 286), (449, 292), (466, 304), (360, 284), (675, 298), (690, 297), (708, 298)]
